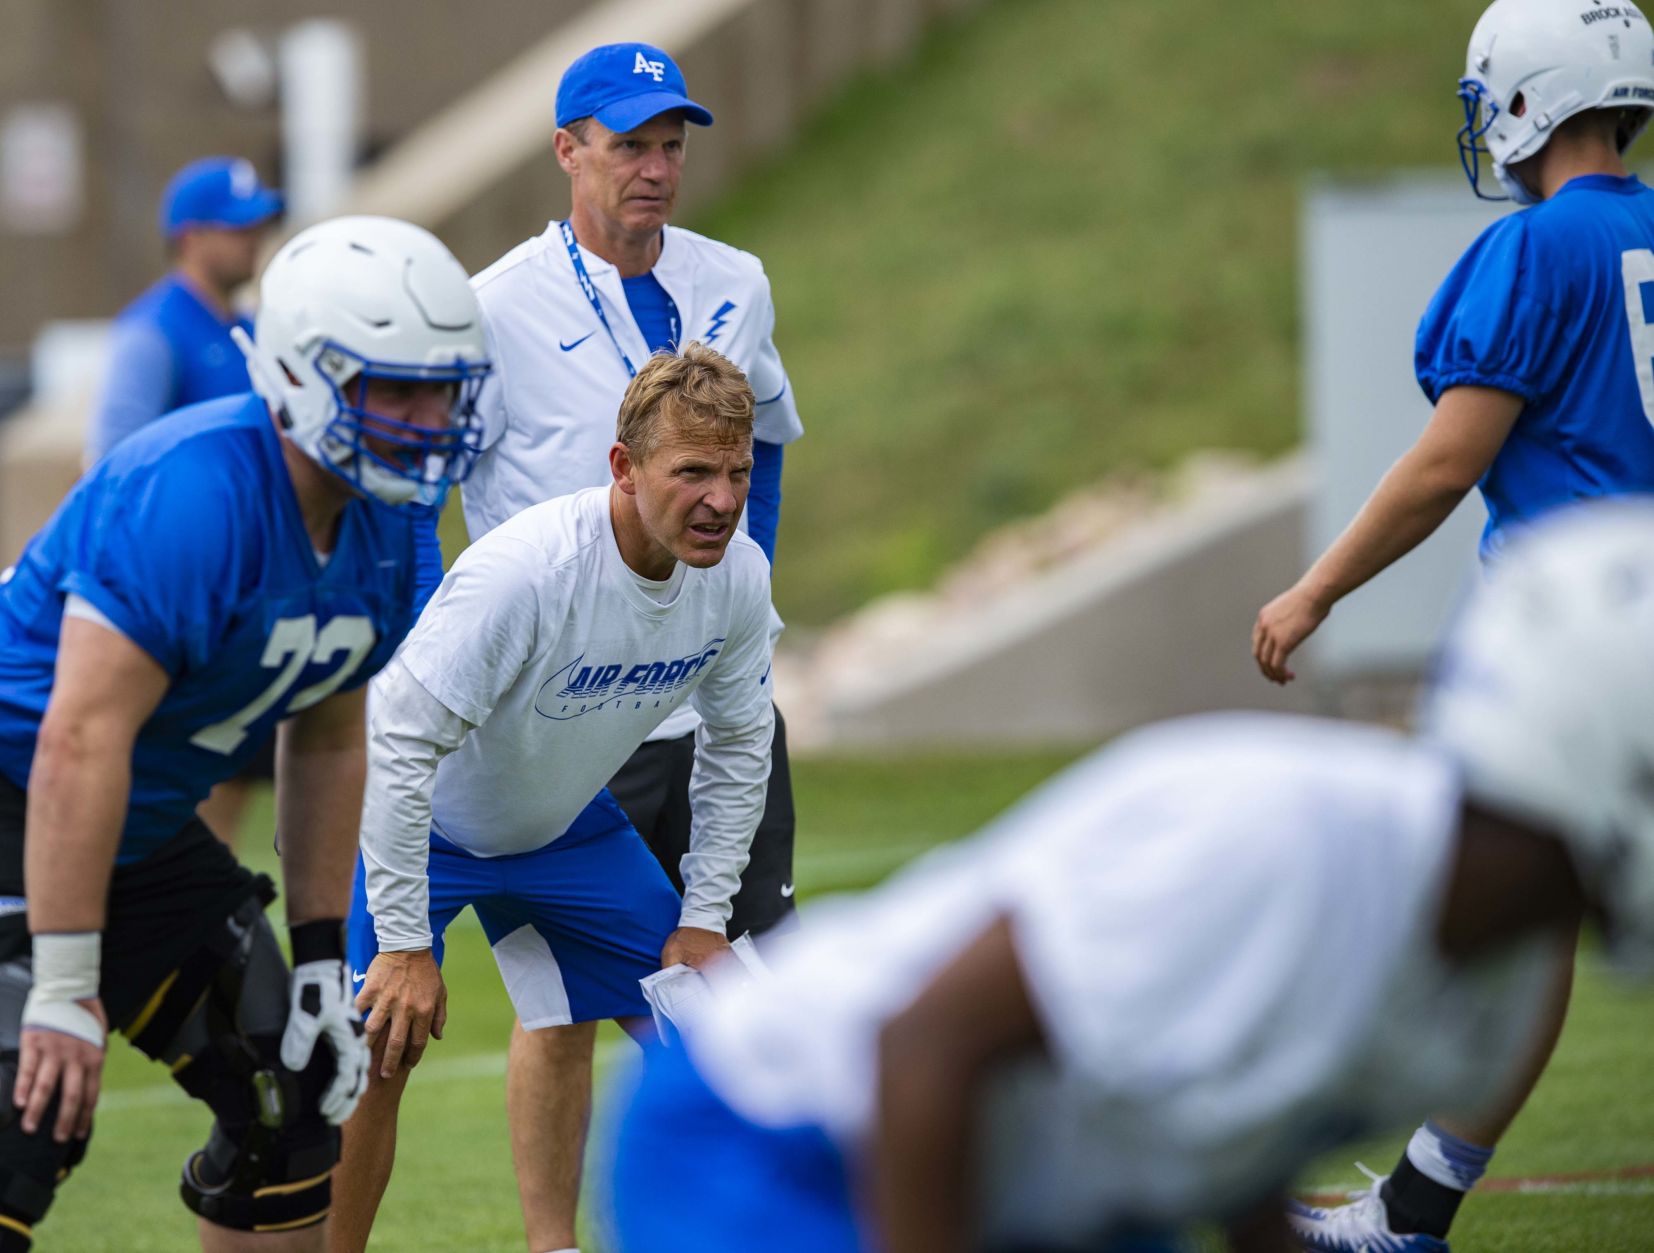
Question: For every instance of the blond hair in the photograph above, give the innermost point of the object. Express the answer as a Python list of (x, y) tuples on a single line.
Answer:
[(696, 391)]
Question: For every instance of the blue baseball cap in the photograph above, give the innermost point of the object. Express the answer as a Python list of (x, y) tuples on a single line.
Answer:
[(217, 191), (623, 86)]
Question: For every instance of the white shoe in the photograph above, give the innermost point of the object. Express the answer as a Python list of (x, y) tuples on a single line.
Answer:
[(1362, 1226)]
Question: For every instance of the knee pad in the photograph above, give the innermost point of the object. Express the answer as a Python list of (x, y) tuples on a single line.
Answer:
[(31, 1166), (261, 1178), (268, 1164)]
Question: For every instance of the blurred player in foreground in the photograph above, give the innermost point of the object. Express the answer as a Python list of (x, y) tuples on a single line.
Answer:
[(1538, 353), (237, 565), (171, 347), (1008, 1048), (556, 644), (573, 313)]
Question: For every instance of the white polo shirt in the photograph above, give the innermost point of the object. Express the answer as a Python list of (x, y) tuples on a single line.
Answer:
[(540, 665), (549, 409), (1226, 926)]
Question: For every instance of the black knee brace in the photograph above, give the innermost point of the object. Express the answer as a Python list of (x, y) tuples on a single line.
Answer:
[(268, 1163), (262, 1178), (31, 1166)]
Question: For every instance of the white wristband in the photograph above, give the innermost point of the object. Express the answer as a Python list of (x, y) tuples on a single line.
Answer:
[(67, 965), (66, 968)]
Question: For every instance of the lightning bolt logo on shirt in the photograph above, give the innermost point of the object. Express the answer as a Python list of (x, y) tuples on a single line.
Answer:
[(716, 326)]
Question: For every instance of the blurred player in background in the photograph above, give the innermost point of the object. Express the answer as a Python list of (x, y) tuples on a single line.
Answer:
[(171, 347), (557, 643), (1007, 1048), (572, 315), (240, 565), (1538, 354)]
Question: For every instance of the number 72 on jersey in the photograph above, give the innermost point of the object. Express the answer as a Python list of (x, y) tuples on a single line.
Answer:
[(293, 644)]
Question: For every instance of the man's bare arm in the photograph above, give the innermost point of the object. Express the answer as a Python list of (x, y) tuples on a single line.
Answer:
[(321, 765), (1413, 498), (934, 1058), (104, 689)]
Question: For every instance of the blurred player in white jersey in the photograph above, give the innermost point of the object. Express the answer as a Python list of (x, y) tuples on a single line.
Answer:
[(1536, 352), (573, 313), (1157, 989), (557, 643)]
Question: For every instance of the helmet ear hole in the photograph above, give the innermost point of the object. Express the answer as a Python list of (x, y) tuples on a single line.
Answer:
[(1518, 105), (1628, 126)]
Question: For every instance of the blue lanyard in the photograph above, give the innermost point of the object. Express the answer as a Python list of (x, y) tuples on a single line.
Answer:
[(587, 286)]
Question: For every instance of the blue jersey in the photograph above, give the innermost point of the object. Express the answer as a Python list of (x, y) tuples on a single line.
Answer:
[(1556, 304), (188, 539), (169, 350)]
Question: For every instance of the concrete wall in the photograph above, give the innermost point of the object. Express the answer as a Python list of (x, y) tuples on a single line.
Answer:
[(1150, 625), (134, 76)]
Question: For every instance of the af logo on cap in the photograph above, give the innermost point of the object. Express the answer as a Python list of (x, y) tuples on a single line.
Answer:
[(655, 69), (243, 180)]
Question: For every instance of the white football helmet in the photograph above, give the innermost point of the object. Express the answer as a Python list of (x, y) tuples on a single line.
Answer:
[(355, 299), (1533, 64), (1546, 696)]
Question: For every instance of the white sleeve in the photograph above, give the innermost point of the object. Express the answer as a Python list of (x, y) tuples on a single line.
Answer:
[(409, 732), (775, 419), (491, 412), (732, 769), (79, 607)]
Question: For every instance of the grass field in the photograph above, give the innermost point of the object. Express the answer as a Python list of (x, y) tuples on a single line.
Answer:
[(858, 820)]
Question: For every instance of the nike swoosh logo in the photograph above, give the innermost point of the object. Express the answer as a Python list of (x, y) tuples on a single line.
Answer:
[(576, 343), (356, 976), (787, 889)]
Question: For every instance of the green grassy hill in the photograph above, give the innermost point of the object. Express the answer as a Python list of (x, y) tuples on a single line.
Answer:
[(1060, 243)]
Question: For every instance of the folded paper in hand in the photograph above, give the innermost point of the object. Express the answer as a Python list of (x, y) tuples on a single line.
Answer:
[(673, 992)]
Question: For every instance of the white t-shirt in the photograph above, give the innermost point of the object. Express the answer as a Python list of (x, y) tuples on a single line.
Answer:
[(549, 408), (538, 667), (1226, 926)]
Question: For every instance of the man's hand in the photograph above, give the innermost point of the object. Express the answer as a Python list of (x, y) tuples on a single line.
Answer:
[(408, 998), (321, 1008), (57, 1049), (693, 946), (1283, 624)]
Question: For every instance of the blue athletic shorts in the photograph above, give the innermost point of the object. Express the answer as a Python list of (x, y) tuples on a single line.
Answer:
[(690, 1175), (573, 925)]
